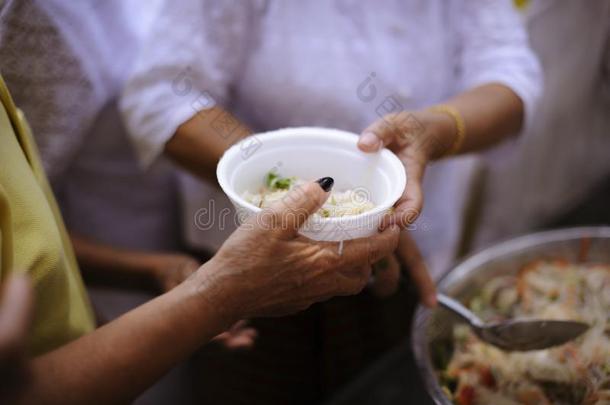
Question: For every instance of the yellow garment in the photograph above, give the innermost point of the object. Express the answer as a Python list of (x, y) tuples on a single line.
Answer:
[(34, 239), (522, 4)]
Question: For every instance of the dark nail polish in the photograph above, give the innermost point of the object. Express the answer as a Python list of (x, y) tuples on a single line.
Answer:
[(326, 183)]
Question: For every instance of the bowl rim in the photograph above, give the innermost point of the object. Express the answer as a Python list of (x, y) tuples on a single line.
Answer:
[(337, 134), (419, 343)]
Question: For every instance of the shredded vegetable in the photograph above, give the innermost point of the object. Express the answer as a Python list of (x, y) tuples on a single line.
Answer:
[(575, 373)]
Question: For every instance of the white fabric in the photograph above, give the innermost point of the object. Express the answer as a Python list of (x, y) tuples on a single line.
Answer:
[(70, 100), (65, 62), (286, 63), (566, 152)]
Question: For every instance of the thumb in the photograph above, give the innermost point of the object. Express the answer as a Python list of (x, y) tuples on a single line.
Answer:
[(379, 134), (291, 212)]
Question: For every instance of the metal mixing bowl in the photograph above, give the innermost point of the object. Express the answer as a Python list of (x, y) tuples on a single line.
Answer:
[(432, 330)]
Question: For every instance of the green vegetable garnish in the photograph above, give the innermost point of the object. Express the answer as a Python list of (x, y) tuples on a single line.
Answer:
[(275, 182), (271, 178), (325, 213)]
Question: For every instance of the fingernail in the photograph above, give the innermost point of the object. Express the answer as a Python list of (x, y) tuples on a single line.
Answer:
[(326, 183), (431, 301), (370, 139)]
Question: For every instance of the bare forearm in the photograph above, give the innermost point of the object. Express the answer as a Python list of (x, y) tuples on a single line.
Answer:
[(103, 264), (199, 143), (491, 113), (118, 361)]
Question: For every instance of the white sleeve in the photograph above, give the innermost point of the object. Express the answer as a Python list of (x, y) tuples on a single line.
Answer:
[(186, 65), (495, 48)]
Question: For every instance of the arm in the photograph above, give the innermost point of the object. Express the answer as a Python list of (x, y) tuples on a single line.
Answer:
[(491, 113), (500, 78), (198, 144), (172, 101), (159, 272), (104, 264), (500, 81), (263, 269), (118, 361)]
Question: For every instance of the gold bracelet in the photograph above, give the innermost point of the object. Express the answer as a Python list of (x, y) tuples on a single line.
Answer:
[(459, 125)]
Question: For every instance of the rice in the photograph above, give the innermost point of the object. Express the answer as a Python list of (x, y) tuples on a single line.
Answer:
[(339, 203)]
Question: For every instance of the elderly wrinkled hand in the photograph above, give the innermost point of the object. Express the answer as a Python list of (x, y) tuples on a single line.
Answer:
[(266, 269)]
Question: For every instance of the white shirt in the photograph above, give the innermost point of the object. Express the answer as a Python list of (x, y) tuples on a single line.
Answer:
[(287, 63)]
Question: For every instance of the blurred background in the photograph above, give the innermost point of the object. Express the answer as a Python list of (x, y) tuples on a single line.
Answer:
[(105, 84)]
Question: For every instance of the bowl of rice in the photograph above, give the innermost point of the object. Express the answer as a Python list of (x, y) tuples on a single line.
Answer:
[(263, 168)]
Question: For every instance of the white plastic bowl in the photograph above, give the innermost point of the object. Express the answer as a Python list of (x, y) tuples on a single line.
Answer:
[(311, 153)]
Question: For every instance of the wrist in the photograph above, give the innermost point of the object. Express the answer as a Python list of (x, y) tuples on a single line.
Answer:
[(439, 133), (214, 292)]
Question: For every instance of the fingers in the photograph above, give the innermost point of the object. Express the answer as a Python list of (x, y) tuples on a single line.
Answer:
[(386, 277), (15, 313), (375, 136), (396, 129), (409, 254), (243, 340), (369, 141), (366, 251), (390, 129), (239, 337), (353, 281), (291, 212), (409, 206)]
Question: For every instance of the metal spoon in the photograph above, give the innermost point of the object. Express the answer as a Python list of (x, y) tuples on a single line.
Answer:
[(518, 335)]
